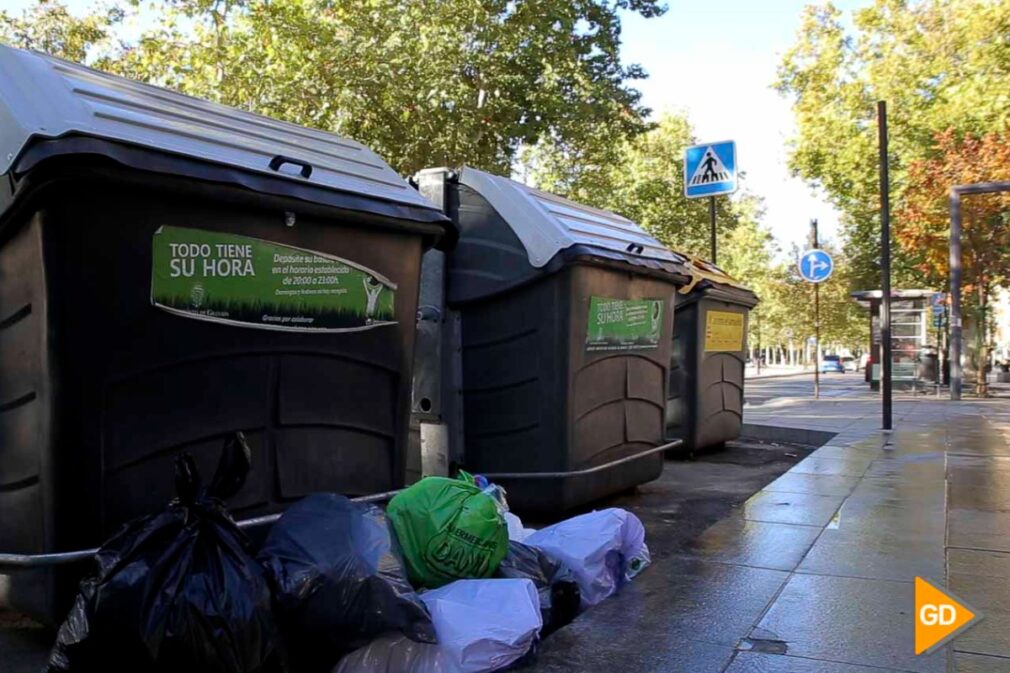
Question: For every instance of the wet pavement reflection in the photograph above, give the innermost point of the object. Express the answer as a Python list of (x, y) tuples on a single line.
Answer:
[(814, 572)]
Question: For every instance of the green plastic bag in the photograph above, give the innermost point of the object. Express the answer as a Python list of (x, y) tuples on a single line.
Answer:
[(448, 529)]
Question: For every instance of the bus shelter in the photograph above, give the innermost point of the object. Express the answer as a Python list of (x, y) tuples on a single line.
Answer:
[(914, 338)]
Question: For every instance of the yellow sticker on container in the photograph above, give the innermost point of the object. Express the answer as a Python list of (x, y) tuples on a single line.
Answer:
[(723, 331)]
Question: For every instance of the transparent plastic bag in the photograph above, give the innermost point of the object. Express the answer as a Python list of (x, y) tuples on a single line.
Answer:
[(597, 547)]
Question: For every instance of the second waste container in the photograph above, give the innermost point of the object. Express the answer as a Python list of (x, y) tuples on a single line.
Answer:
[(173, 271), (706, 385), (566, 316)]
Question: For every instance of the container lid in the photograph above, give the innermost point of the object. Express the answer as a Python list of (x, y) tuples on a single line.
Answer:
[(709, 279), (45, 100), (547, 224)]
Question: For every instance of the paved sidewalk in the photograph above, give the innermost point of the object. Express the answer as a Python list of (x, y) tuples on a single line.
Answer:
[(814, 573), (931, 499)]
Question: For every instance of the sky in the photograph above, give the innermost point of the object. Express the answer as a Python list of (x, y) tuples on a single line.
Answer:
[(716, 60)]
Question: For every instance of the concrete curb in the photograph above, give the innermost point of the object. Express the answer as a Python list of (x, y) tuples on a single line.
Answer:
[(772, 433)]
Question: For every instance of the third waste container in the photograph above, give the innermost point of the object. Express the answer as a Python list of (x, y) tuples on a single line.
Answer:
[(706, 386), (566, 317)]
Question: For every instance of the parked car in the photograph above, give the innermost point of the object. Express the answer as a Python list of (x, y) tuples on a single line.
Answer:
[(832, 363), (850, 364)]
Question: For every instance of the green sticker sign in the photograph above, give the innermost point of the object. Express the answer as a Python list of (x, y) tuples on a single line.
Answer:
[(623, 324), (246, 281)]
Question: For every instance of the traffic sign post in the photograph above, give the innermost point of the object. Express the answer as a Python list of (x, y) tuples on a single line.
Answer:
[(709, 171), (815, 266)]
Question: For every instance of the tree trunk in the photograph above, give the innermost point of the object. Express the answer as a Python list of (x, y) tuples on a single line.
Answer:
[(982, 380)]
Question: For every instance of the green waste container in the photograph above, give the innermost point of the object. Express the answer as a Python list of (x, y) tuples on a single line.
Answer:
[(172, 271), (566, 322), (706, 386)]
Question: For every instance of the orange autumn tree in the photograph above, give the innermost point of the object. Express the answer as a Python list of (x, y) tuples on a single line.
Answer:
[(922, 225)]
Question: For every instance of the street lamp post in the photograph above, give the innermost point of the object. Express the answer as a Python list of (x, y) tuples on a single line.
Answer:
[(885, 269)]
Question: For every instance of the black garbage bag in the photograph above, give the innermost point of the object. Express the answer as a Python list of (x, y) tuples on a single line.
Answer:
[(339, 581), (556, 585), (176, 591)]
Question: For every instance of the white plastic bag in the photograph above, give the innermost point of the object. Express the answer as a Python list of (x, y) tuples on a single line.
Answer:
[(598, 548), (639, 562), (517, 533), (482, 626)]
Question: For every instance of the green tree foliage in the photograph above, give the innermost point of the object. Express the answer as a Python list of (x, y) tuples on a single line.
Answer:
[(642, 179), (940, 64), (786, 313), (48, 27), (420, 81)]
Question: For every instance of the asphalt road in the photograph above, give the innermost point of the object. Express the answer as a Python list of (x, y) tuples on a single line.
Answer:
[(760, 391)]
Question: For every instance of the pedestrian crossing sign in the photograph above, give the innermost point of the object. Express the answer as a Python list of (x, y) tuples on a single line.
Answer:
[(710, 169)]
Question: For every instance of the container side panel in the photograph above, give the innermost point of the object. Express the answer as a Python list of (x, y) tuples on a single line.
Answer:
[(511, 410), (331, 459), (682, 402), (646, 380), (21, 532), (713, 374), (602, 382), (601, 434), (606, 399), (722, 372), (641, 417), (23, 399), (632, 379), (142, 487), (338, 392), (139, 422)]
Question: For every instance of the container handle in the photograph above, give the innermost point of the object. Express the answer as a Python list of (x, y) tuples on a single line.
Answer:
[(280, 160), (635, 248), (12, 562)]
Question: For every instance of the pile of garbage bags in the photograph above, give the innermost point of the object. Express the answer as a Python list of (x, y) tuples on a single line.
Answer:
[(445, 580)]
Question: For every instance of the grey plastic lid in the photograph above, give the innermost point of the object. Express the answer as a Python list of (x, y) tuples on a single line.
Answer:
[(546, 224), (42, 97)]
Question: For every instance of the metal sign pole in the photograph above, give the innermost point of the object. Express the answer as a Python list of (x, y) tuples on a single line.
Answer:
[(711, 222), (817, 341), (885, 269), (815, 243)]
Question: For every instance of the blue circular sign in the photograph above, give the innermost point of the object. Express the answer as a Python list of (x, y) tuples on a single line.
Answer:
[(816, 266)]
